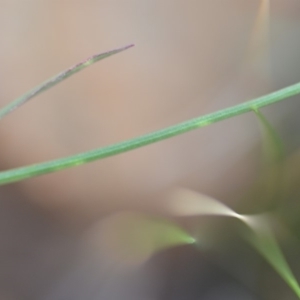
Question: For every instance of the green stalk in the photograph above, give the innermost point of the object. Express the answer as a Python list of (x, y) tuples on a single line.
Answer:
[(18, 174), (57, 79)]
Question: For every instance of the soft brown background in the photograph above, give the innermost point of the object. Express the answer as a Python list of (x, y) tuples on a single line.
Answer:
[(189, 60)]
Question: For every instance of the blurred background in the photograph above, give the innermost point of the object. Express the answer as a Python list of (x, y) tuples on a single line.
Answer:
[(190, 58)]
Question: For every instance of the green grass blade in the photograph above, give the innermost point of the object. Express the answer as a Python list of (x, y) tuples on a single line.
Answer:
[(57, 79), (265, 242), (79, 159), (188, 203), (134, 237), (273, 145), (268, 190)]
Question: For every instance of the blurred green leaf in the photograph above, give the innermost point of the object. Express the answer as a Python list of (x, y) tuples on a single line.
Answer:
[(57, 79), (273, 145), (135, 237), (270, 185), (188, 203), (18, 174), (263, 239)]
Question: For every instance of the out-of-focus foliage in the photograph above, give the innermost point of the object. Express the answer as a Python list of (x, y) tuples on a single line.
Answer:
[(193, 58)]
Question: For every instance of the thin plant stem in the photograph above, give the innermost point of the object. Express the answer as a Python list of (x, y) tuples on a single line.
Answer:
[(18, 174), (57, 79)]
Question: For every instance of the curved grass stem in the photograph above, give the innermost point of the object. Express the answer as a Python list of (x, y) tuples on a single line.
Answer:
[(57, 79), (18, 174)]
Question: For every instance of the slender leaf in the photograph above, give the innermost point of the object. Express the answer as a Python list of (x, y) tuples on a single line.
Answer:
[(134, 237), (263, 239), (273, 145), (270, 184), (57, 79), (188, 203)]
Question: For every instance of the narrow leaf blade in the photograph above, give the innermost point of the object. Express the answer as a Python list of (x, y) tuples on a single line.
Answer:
[(133, 237), (273, 145), (57, 79), (264, 241)]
